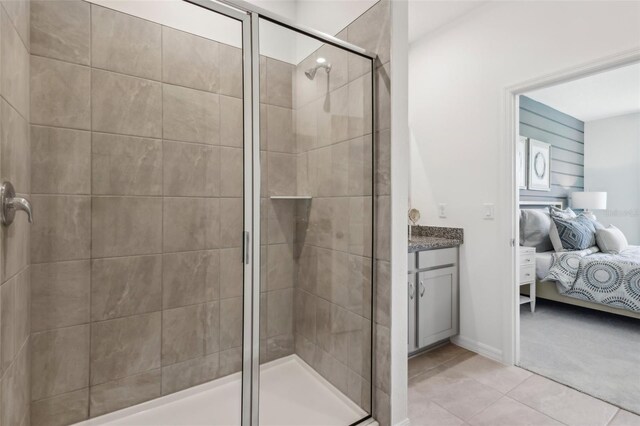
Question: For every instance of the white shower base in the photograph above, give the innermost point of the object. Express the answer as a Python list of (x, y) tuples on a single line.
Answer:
[(291, 393)]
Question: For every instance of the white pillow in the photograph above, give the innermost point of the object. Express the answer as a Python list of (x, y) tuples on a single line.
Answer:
[(554, 236), (611, 240), (534, 229)]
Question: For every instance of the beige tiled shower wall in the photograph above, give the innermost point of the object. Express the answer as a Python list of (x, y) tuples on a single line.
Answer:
[(333, 300), (333, 293), (137, 181), (15, 347), (278, 177)]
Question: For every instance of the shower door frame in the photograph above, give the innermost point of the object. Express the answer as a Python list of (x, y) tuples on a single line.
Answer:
[(249, 16)]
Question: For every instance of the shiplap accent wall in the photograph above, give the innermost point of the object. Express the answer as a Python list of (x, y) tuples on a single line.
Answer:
[(566, 136)]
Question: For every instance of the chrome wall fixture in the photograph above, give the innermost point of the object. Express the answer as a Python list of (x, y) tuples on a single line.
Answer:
[(321, 63), (10, 204)]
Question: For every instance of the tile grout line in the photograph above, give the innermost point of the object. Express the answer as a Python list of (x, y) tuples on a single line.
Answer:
[(583, 393), (455, 415), (561, 384), (50, 262), (13, 25), (313, 149), (438, 365), (503, 395), (28, 51), (518, 402), (91, 68)]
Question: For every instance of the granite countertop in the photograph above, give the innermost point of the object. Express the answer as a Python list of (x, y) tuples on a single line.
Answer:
[(420, 243), (433, 237)]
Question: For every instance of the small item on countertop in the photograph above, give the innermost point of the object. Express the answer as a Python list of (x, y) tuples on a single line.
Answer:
[(414, 217)]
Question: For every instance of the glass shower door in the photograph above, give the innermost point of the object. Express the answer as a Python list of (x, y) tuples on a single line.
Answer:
[(139, 138), (316, 210)]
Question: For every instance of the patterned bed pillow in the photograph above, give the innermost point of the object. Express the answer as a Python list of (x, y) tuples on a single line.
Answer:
[(572, 234), (562, 214)]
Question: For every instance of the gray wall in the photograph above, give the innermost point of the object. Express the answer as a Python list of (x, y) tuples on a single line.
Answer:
[(612, 153), (566, 136)]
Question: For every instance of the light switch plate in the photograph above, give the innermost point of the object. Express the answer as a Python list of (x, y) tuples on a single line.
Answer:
[(489, 211), (442, 210)]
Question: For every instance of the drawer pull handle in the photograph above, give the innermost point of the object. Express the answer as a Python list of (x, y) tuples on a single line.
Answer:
[(527, 275), (421, 289)]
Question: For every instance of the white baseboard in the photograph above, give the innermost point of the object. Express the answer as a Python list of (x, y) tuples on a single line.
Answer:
[(405, 422), (480, 348)]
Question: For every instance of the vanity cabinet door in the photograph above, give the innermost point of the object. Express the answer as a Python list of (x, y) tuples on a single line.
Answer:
[(411, 297), (437, 305)]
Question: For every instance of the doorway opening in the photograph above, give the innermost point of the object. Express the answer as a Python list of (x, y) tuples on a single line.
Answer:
[(576, 309)]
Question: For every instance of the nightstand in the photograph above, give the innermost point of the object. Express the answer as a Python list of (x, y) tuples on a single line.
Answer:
[(528, 275)]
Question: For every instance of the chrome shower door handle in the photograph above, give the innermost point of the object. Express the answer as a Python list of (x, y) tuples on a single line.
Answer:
[(9, 204)]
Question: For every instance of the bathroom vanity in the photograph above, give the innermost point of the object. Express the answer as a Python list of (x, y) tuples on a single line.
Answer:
[(432, 286)]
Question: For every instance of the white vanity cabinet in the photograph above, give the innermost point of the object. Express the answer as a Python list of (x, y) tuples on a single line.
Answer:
[(433, 297)]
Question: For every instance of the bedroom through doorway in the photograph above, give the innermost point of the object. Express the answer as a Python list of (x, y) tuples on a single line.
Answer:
[(578, 243)]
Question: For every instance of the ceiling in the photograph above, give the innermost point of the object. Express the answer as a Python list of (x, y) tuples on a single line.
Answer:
[(603, 95), (426, 16)]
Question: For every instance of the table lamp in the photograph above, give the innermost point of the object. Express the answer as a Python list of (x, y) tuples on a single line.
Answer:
[(589, 201)]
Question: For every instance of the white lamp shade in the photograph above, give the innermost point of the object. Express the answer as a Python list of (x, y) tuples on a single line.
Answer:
[(589, 200)]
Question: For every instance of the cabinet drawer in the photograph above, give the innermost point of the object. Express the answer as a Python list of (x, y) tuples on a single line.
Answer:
[(438, 257), (527, 258), (527, 273)]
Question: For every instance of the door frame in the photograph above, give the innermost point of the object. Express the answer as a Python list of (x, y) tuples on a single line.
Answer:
[(509, 193)]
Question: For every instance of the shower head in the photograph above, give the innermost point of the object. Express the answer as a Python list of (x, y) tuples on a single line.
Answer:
[(311, 73), (320, 63)]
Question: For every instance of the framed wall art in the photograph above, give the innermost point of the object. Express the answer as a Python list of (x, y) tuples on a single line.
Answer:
[(539, 166)]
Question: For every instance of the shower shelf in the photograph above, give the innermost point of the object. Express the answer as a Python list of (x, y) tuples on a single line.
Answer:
[(290, 197)]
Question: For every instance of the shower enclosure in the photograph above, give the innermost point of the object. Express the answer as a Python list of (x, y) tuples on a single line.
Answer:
[(202, 249)]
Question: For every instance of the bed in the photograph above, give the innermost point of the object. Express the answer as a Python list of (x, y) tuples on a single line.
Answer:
[(589, 278)]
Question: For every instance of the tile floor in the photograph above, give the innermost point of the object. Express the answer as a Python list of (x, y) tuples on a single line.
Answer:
[(453, 386)]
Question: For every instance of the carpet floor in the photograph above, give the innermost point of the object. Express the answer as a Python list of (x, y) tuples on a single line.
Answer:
[(594, 352)]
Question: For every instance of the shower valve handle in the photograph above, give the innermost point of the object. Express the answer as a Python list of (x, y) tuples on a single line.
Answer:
[(10, 204)]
